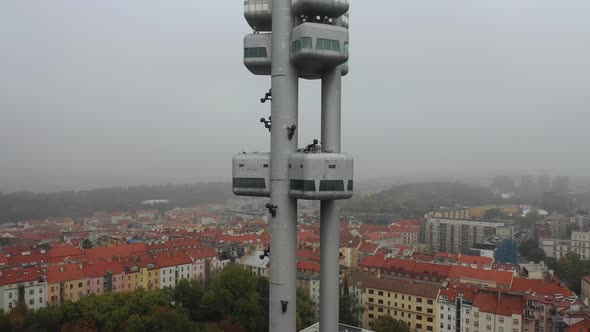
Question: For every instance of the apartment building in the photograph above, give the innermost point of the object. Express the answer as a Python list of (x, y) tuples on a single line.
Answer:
[(412, 303), (459, 236), (28, 285), (65, 283)]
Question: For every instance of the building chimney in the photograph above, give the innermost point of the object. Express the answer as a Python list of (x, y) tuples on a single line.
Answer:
[(499, 296)]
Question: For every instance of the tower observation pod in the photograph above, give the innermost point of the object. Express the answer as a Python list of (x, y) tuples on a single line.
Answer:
[(320, 175), (317, 47), (258, 14), (257, 53), (251, 174), (292, 40)]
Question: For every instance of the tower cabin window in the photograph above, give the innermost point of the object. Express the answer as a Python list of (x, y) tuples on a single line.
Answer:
[(301, 43), (255, 52), (331, 185), (256, 183), (327, 44)]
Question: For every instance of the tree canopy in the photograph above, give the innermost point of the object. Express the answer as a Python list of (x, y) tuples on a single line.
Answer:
[(413, 200), (27, 205), (389, 324)]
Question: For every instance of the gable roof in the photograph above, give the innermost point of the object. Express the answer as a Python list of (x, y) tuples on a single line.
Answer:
[(62, 273), (401, 286), (542, 287), (501, 278), (498, 303)]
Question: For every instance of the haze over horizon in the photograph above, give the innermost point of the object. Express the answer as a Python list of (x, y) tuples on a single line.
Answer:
[(110, 93)]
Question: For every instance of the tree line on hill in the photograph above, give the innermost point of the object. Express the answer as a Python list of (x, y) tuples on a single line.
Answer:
[(414, 200), (233, 300), (75, 204)]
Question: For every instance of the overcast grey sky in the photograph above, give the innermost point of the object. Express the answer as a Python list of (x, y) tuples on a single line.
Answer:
[(110, 92)]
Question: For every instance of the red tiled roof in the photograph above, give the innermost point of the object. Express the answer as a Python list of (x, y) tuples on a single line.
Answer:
[(501, 278), (410, 266), (308, 237), (422, 257), (479, 260), (447, 255), (455, 289), (305, 254), (3, 260), (64, 251), (99, 268), (375, 261), (124, 250), (62, 273), (35, 257), (542, 287), (579, 326), (21, 275), (368, 247), (502, 304), (308, 266), (205, 252), (173, 259)]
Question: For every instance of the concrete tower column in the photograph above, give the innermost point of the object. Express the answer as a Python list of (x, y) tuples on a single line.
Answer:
[(329, 218), (283, 227)]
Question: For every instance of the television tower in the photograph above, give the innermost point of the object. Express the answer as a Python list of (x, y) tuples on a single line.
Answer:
[(295, 39)]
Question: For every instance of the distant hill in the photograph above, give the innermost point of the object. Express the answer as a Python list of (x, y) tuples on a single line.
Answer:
[(413, 200), (28, 205)]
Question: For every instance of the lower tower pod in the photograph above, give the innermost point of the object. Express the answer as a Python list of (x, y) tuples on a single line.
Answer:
[(257, 53)]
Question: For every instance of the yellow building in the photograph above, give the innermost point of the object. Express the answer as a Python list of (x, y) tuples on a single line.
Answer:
[(461, 213), (415, 304), (153, 277), (65, 283), (477, 212)]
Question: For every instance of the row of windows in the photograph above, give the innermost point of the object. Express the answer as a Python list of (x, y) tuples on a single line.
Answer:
[(255, 52), (321, 44), (250, 183), (403, 297), (325, 185)]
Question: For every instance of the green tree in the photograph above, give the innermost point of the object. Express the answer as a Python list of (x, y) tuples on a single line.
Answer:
[(235, 293), (350, 307), (388, 324), (86, 244), (494, 214), (188, 295), (305, 310), (530, 251), (570, 269)]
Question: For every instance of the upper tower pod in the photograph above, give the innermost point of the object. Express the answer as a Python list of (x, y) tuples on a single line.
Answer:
[(258, 14), (316, 47), (330, 8), (257, 53), (251, 174)]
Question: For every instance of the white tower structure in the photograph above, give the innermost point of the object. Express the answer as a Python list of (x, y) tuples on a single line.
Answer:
[(295, 39)]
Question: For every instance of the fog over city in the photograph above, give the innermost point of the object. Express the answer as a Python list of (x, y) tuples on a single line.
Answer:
[(109, 93)]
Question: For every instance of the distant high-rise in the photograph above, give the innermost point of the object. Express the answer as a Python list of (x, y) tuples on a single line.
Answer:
[(560, 185)]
